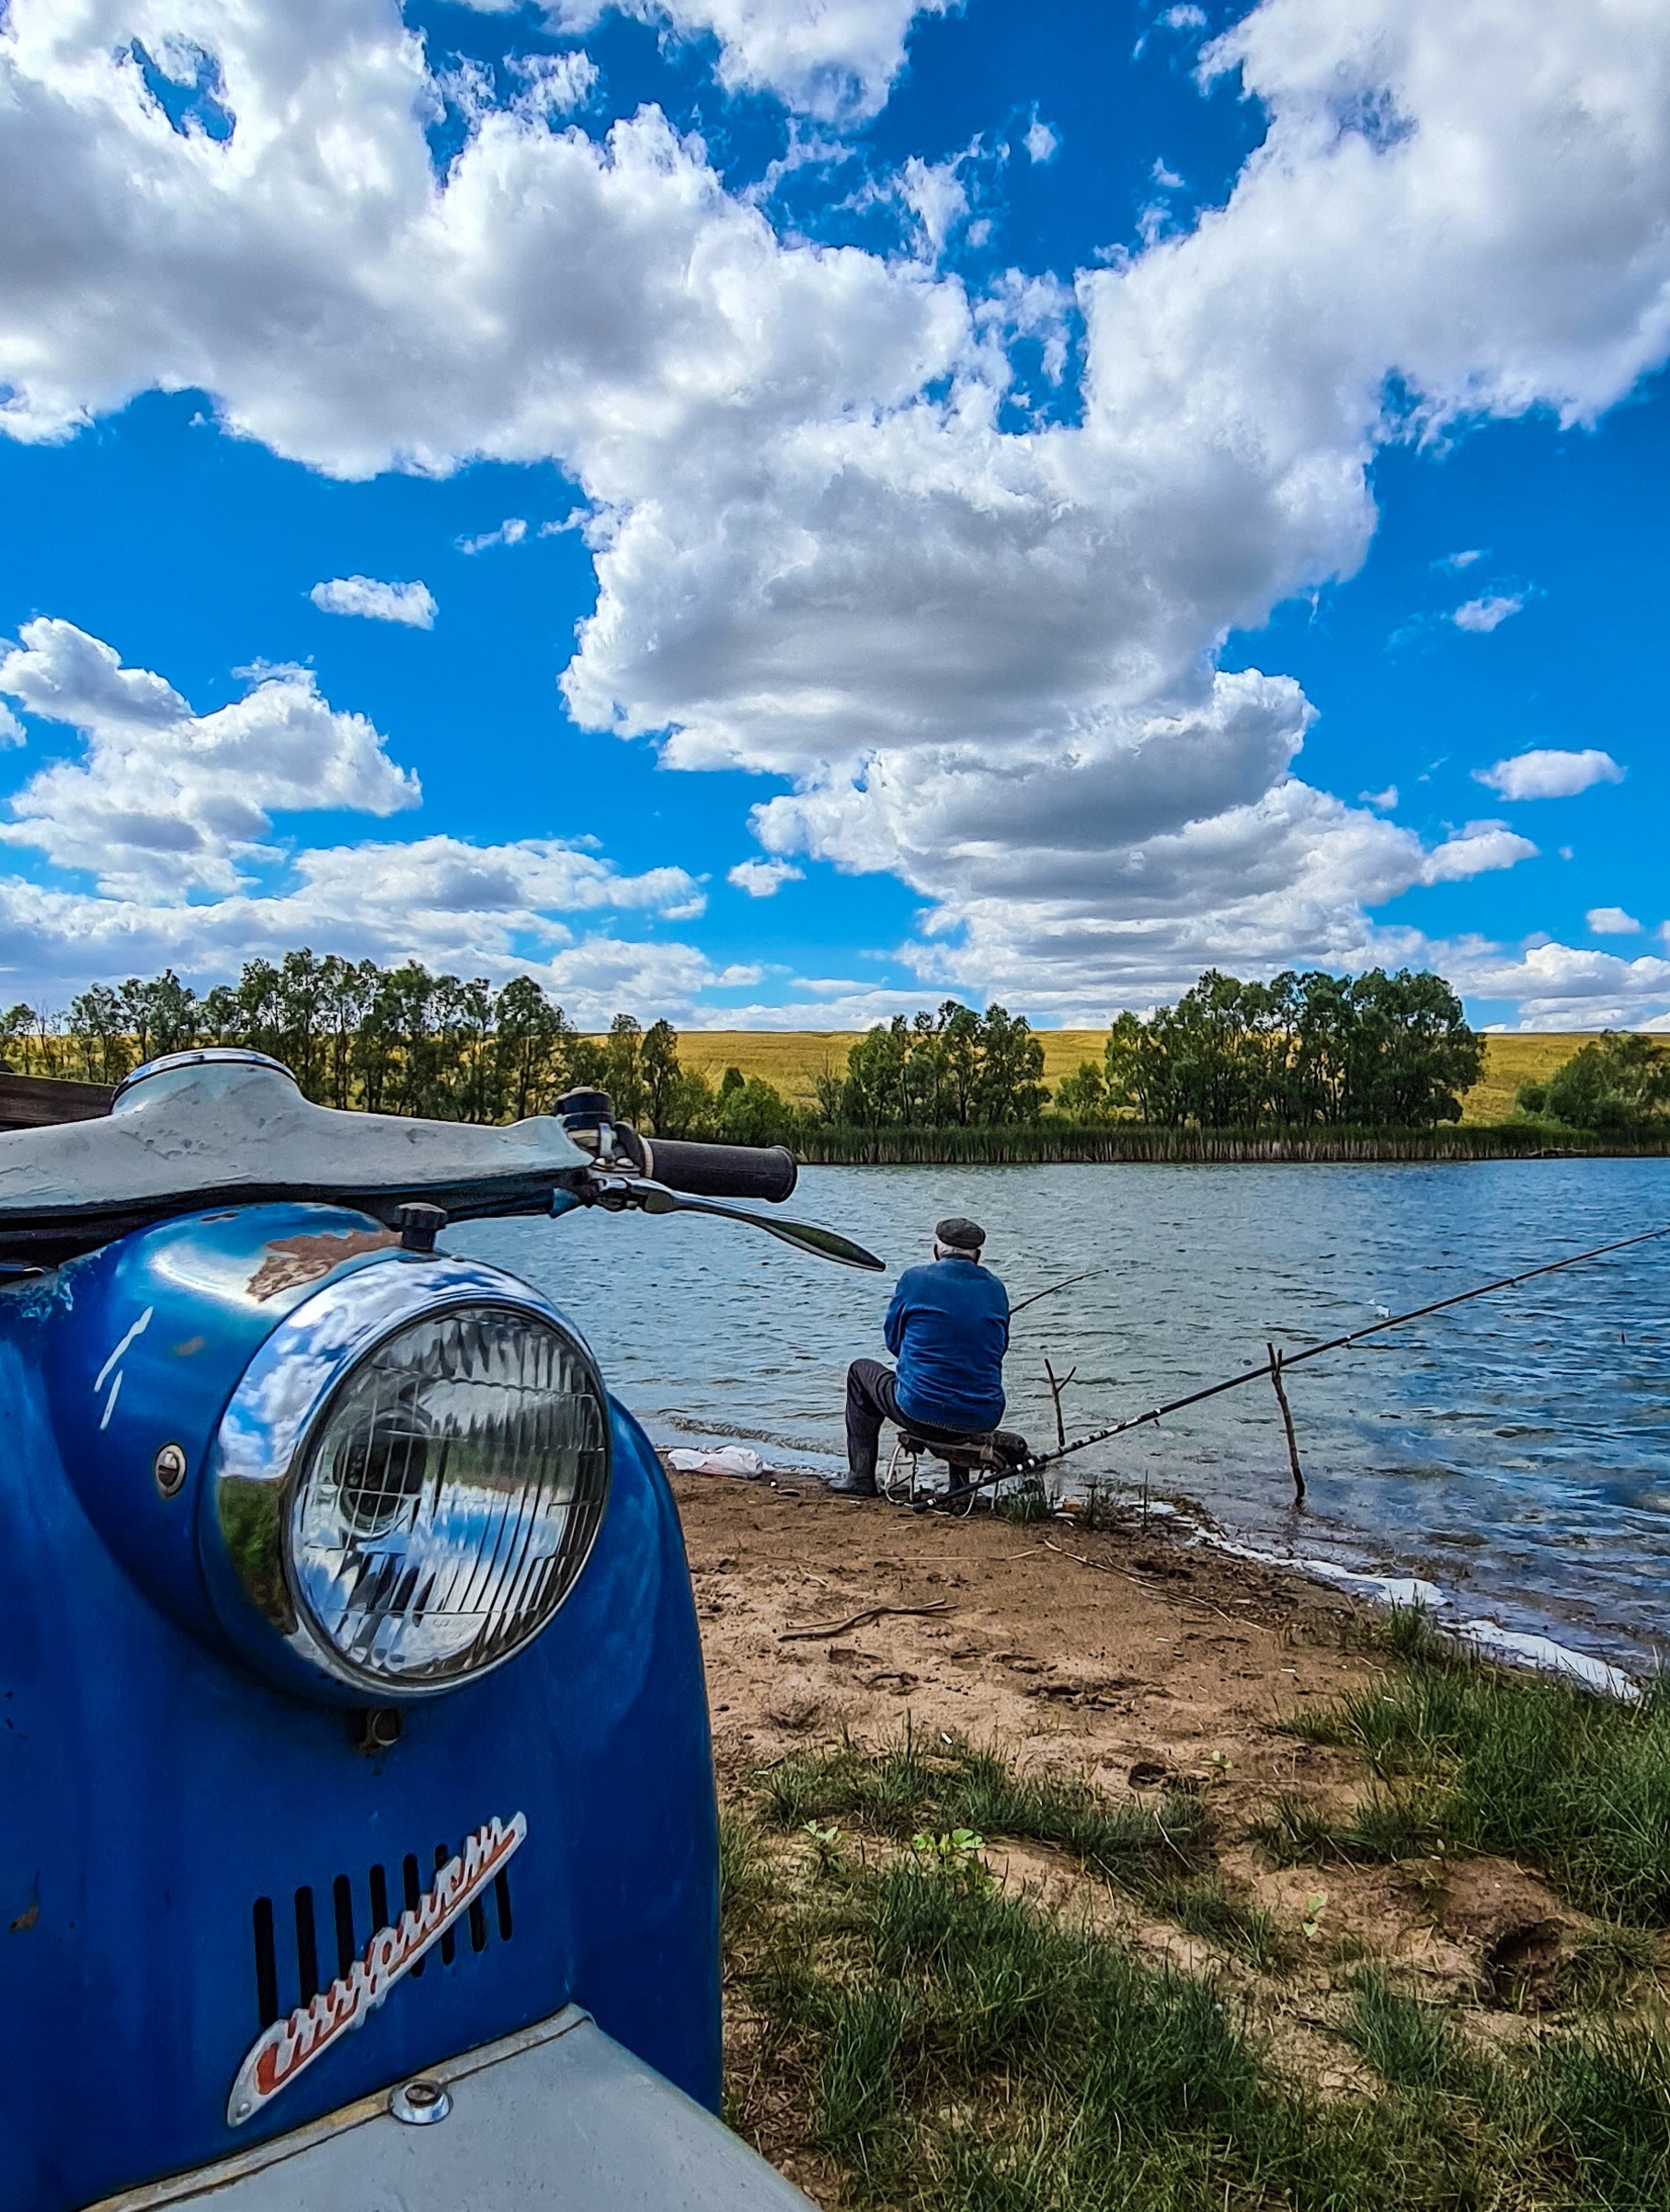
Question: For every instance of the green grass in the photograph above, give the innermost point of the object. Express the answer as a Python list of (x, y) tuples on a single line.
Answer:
[(1030, 1499), (1409, 2044), (949, 2046), (1209, 1909), (745, 1874), (910, 1786), (1537, 1768), (1604, 1967)]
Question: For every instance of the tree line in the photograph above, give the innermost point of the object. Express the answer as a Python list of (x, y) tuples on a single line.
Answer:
[(1614, 1086), (1303, 1051), (399, 1041)]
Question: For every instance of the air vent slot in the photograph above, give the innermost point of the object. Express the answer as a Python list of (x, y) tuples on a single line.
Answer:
[(285, 1979)]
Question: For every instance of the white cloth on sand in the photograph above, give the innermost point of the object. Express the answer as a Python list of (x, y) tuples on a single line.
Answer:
[(721, 1459)]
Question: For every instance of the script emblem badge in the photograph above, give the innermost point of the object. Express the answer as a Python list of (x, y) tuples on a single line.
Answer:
[(279, 2052)]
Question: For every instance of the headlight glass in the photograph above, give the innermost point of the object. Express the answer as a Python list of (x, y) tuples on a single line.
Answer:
[(447, 1497)]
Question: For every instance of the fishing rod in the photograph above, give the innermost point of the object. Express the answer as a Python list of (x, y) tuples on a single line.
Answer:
[(1036, 1460), (1021, 1304)]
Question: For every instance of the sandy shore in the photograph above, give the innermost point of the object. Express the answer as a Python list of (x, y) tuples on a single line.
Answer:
[(1118, 1656), (1105, 1652)]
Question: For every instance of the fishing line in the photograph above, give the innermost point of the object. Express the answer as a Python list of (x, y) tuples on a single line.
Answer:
[(1035, 1461)]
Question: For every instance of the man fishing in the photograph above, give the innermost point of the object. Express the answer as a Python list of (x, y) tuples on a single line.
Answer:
[(949, 1329)]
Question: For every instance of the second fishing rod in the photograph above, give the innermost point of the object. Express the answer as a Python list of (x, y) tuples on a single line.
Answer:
[(1036, 1461)]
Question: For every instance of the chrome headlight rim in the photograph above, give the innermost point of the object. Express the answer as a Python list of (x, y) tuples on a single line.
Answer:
[(278, 1413)]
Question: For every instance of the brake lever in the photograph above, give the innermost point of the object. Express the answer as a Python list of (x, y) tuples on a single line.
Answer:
[(620, 1194)]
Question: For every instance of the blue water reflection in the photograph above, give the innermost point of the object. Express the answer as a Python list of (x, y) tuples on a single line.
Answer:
[(1515, 1451)]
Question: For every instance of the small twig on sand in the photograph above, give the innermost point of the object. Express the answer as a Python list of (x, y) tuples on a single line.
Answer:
[(870, 1613), (1104, 1566)]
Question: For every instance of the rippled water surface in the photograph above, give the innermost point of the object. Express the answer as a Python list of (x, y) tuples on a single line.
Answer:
[(1515, 1451)]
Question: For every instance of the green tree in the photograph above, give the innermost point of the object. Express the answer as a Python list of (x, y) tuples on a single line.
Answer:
[(402, 1023), (534, 1039), (624, 1068), (589, 1063), (219, 1021), (1617, 1085), (1412, 1055), (1083, 1096), (1388, 1050), (15, 1026), (961, 1052), (665, 1092), (98, 1036), (752, 1112), (1128, 1060), (874, 1094), (347, 989), (1009, 1088), (160, 1016)]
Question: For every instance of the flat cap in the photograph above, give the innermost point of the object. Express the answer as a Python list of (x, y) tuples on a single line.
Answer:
[(959, 1234)]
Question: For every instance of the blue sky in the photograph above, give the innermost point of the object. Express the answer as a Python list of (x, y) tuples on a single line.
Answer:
[(770, 512)]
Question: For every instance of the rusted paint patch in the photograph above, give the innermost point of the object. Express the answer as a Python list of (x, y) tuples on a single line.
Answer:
[(190, 1347), (291, 1261)]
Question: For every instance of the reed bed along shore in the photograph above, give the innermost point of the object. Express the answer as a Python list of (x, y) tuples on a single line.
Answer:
[(1052, 1141)]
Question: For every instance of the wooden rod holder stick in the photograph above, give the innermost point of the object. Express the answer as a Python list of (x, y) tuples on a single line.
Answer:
[(1055, 1389), (1281, 1399)]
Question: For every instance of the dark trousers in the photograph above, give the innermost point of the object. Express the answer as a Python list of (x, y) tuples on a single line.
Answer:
[(872, 1398)]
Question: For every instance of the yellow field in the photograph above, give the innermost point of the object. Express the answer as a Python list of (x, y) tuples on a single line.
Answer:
[(1508, 1063), (793, 1059)]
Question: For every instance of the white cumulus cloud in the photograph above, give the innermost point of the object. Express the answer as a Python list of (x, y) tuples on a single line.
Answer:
[(1612, 922), (832, 59), (978, 658), (410, 603), (1545, 772), (1482, 615), (510, 531), (1562, 986), (1474, 850), (1042, 144), (166, 798), (763, 878), (170, 812)]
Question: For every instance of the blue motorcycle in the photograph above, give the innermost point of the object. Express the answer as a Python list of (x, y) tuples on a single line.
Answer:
[(359, 1842)]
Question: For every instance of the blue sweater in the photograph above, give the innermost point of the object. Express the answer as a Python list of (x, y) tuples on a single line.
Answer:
[(948, 1328)]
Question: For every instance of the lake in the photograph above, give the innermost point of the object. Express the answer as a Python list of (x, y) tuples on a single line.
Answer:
[(1515, 1451)]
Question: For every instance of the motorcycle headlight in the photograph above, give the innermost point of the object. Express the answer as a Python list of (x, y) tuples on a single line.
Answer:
[(409, 1477)]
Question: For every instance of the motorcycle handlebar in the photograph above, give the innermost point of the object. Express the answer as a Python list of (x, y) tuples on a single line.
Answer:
[(720, 1171)]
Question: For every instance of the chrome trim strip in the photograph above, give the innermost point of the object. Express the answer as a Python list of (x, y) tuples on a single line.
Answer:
[(200, 1055), (150, 2196)]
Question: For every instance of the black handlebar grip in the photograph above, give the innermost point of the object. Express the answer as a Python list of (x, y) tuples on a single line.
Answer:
[(720, 1171)]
